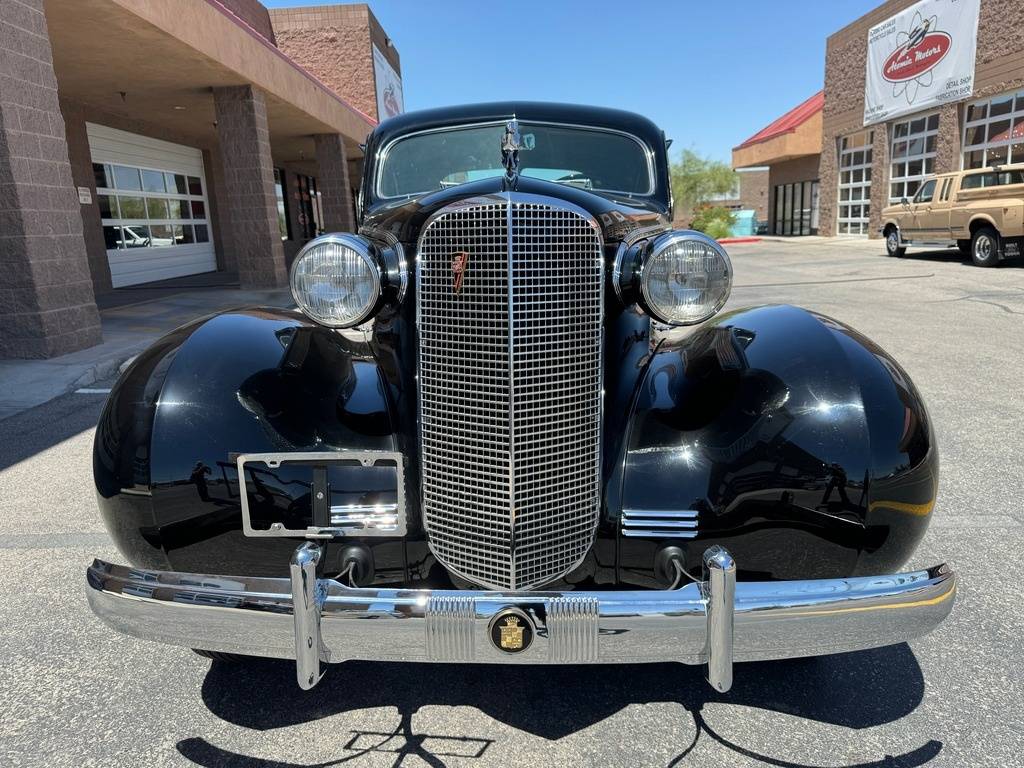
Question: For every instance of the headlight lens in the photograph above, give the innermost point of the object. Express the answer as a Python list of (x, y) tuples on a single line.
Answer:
[(336, 280), (686, 278)]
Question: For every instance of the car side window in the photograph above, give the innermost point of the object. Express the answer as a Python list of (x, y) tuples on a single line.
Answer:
[(926, 192), (972, 181), (946, 184)]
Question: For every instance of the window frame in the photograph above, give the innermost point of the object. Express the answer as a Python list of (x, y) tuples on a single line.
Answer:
[(188, 200), (1015, 117), (847, 148), (925, 156)]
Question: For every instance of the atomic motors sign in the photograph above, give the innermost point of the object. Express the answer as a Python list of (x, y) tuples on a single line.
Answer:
[(920, 57)]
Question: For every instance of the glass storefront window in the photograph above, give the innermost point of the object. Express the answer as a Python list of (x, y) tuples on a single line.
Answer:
[(284, 225), (796, 208), (994, 131), (310, 211)]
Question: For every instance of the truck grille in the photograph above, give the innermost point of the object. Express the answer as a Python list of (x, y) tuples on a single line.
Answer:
[(510, 388)]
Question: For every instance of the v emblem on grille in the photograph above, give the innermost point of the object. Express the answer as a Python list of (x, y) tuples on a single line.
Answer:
[(460, 263)]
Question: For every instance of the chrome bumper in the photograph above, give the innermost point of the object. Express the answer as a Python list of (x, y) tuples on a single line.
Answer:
[(713, 622)]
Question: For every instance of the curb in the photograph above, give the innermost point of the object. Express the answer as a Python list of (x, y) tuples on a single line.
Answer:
[(736, 240)]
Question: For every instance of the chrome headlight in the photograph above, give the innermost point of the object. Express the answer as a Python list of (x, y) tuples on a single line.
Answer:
[(685, 277), (336, 280)]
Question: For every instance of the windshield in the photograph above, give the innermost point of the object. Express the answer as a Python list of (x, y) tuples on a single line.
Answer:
[(580, 157)]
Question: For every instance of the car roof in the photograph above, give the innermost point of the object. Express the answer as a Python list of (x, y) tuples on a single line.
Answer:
[(524, 111)]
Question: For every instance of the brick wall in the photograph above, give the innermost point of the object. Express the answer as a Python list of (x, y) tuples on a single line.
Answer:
[(754, 192), (999, 67), (334, 43), (47, 306), (249, 197)]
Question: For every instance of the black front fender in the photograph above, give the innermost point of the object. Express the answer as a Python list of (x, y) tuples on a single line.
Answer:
[(245, 381), (801, 445)]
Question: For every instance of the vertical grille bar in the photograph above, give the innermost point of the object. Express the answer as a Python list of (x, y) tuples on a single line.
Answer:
[(510, 388)]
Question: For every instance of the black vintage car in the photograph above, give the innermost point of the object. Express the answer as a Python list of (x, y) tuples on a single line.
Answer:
[(508, 422)]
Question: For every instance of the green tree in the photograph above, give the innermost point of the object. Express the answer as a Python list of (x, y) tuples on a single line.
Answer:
[(714, 221), (696, 178)]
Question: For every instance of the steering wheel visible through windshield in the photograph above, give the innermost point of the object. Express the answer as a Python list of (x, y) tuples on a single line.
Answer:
[(588, 158)]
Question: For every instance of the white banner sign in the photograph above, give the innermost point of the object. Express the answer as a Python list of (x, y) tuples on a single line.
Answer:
[(921, 57), (389, 87)]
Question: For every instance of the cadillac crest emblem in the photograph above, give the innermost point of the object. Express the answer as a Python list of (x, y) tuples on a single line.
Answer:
[(460, 262), (511, 631)]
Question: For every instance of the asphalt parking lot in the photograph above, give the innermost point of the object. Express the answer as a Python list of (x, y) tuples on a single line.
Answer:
[(75, 694)]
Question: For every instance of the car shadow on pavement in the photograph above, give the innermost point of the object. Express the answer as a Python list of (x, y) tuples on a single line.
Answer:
[(856, 690)]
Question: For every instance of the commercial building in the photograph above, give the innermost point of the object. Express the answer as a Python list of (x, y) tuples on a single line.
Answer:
[(911, 88), (791, 149), (145, 140)]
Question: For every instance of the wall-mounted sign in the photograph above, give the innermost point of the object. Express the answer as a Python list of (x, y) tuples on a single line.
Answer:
[(921, 57), (84, 195), (389, 87)]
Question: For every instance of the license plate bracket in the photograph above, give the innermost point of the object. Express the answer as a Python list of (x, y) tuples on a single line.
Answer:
[(330, 522)]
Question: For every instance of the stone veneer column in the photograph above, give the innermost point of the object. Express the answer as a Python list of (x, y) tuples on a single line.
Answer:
[(879, 178), (47, 305), (333, 183), (947, 142), (251, 205)]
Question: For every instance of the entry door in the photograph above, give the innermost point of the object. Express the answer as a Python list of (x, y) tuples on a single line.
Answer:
[(931, 214), (934, 218), (154, 206)]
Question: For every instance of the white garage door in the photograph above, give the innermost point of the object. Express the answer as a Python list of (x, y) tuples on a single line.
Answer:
[(154, 206)]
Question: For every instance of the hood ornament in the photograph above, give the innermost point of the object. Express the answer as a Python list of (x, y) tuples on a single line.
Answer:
[(510, 144)]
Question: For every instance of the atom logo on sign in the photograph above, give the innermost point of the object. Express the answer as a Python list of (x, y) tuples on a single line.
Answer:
[(918, 51)]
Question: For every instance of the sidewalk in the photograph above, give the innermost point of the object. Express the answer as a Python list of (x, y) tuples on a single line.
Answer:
[(127, 330)]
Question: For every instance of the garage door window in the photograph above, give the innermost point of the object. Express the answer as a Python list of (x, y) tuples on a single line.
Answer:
[(855, 156), (994, 131), (913, 155), (147, 208)]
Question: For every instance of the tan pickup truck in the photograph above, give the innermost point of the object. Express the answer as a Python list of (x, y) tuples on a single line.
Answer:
[(979, 211)]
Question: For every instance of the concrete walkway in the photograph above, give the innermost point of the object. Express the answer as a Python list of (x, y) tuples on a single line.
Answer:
[(127, 330)]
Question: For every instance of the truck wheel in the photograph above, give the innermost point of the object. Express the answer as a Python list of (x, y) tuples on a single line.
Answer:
[(964, 246), (892, 243), (985, 247)]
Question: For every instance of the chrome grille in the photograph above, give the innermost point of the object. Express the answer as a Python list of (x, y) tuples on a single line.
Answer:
[(510, 388)]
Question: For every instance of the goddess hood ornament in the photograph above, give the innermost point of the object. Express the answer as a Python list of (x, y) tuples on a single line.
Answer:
[(510, 144)]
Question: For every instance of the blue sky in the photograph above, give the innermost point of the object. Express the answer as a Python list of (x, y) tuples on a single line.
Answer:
[(711, 73)]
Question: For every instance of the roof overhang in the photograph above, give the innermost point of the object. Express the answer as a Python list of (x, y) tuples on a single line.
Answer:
[(166, 57), (794, 135)]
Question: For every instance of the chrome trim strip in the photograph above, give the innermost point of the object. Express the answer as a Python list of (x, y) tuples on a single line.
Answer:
[(448, 628), (667, 514), (650, 533), (770, 620), (573, 625), (381, 157), (660, 523)]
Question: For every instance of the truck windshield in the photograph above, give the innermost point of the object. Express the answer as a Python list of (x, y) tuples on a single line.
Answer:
[(588, 158)]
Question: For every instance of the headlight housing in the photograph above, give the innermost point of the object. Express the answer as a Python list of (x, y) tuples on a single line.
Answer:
[(684, 277), (336, 280)]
